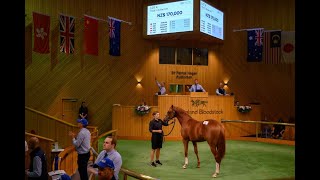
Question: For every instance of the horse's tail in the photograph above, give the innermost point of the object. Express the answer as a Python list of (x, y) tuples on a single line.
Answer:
[(221, 146)]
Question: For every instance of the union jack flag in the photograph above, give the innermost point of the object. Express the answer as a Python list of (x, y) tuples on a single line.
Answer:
[(259, 37), (111, 28), (67, 27)]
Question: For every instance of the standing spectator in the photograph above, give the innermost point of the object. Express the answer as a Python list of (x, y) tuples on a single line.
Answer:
[(109, 145), (38, 161), (83, 111), (278, 130), (155, 127), (82, 145), (162, 89), (196, 87), (105, 169), (221, 91)]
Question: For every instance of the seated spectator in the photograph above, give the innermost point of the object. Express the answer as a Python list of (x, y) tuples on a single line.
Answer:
[(109, 145), (26, 157), (266, 131), (278, 130), (65, 177), (105, 169), (221, 91), (38, 161)]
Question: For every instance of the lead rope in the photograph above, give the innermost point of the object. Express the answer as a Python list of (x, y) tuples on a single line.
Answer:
[(174, 123)]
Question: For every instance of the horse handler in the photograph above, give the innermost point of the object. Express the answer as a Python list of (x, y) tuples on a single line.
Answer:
[(155, 127)]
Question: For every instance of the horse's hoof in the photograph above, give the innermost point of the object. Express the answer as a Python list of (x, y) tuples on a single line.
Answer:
[(198, 166), (184, 166), (215, 175)]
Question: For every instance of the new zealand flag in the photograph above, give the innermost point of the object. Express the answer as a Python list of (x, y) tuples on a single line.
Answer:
[(114, 36)]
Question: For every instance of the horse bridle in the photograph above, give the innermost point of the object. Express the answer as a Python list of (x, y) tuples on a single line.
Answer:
[(174, 121), (174, 115)]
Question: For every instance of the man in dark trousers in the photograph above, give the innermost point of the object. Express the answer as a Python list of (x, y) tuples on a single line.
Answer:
[(38, 161), (82, 145), (155, 127)]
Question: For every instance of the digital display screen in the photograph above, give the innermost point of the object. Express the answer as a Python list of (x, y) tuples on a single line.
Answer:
[(211, 20), (170, 17)]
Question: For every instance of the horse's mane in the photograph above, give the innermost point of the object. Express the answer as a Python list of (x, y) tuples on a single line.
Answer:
[(181, 111)]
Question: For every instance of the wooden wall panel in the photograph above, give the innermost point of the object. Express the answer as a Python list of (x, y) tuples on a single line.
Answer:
[(132, 126), (51, 127), (105, 80)]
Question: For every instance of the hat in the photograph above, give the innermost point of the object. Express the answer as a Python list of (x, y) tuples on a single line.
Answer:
[(105, 162), (84, 122), (65, 177)]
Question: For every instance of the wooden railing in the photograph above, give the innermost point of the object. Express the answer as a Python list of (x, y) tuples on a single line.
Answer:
[(127, 172), (68, 161), (52, 127), (288, 136), (68, 157)]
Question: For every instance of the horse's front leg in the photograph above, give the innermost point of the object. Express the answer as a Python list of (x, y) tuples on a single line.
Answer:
[(186, 162), (195, 147)]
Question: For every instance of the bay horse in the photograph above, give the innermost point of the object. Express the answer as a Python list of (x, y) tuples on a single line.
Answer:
[(195, 131)]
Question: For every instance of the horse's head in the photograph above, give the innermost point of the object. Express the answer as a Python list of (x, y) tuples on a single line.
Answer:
[(170, 114)]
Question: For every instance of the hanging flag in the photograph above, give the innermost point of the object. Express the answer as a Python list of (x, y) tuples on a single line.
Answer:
[(41, 25), (114, 36), (255, 45), (272, 47), (91, 35), (67, 27), (288, 46)]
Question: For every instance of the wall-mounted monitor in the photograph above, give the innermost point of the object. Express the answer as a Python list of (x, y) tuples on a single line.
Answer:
[(171, 17), (211, 20)]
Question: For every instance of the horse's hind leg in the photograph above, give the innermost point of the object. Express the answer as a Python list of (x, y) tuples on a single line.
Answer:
[(196, 152), (218, 160), (185, 144)]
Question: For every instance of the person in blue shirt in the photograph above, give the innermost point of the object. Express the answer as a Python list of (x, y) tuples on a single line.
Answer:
[(196, 87), (82, 144), (109, 145)]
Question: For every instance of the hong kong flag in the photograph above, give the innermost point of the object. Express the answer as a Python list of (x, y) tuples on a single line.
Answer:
[(41, 24)]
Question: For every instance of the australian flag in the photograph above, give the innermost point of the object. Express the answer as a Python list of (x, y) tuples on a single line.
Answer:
[(255, 45), (66, 34), (114, 36)]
